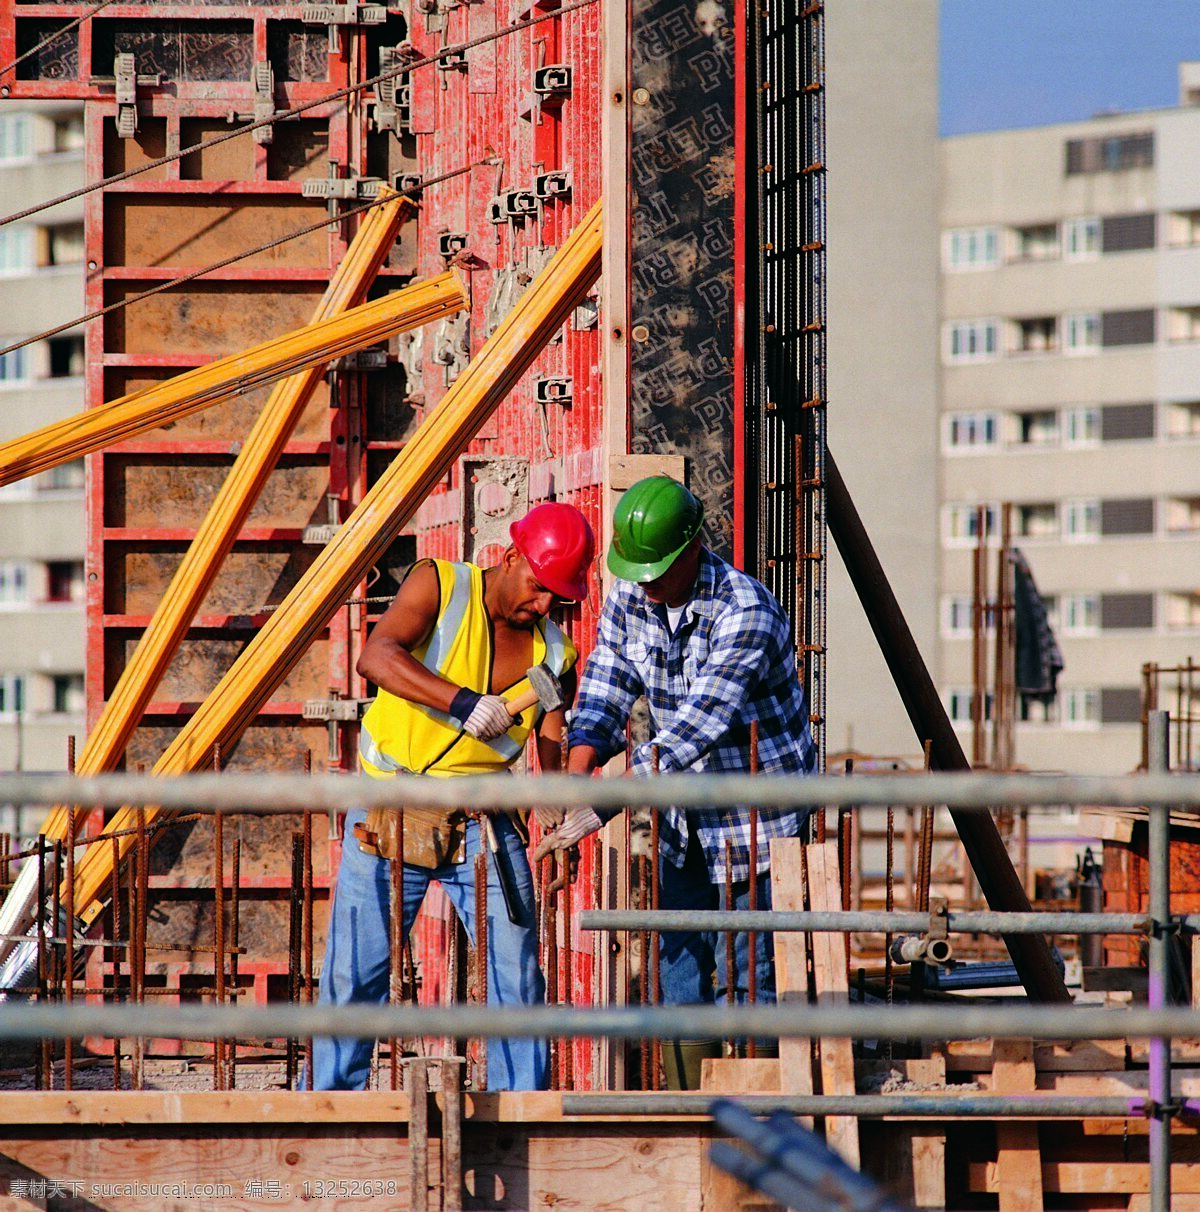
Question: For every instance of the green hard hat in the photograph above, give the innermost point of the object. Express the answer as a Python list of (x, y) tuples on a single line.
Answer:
[(654, 521)]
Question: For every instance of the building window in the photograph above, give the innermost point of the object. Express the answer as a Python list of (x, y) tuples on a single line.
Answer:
[(1081, 239), (971, 340), (1183, 419), (14, 367), (1110, 153), (1081, 520), (64, 581), (1126, 611), (65, 356), (14, 583), (1037, 334), (1082, 331), (16, 137), (1183, 324), (1126, 422), (1036, 243), (1128, 233), (971, 248), (68, 133), (66, 477), (971, 430), (1182, 610), (1127, 516), (1079, 614), (12, 693), (962, 522), (16, 251), (1039, 428), (1081, 708), (1183, 515), (67, 693), (1134, 327), (1036, 520), (62, 244), (958, 614), (1183, 228), (1121, 705), (1081, 426), (958, 706)]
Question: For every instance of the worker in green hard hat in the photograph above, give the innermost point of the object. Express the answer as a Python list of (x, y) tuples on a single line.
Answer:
[(711, 650)]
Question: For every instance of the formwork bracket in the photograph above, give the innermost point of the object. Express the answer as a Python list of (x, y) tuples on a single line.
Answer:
[(392, 96), (347, 189), (336, 709), (126, 79), (337, 15), (263, 80)]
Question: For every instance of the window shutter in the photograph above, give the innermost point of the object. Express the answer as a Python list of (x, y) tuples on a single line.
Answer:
[(1120, 705), (1127, 327), (1119, 611), (1127, 233), (1134, 515), (1126, 422)]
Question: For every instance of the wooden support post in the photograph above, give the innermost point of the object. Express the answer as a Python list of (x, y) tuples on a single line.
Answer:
[(791, 965), (1018, 1155)]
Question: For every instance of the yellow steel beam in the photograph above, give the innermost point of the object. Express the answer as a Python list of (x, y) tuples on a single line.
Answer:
[(362, 541), (232, 504), (144, 410)]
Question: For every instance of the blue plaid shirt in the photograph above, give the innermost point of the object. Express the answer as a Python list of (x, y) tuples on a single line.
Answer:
[(729, 661)]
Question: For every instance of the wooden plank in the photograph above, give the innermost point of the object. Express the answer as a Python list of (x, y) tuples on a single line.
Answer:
[(833, 988), (791, 965), (1050, 1056), (1018, 1156), (913, 1165), (1084, 1178), (719, 1191)]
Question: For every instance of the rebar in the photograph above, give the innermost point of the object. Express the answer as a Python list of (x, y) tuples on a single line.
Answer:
[(69, 974), (481, 950), (395, 955), (654, 959), (1159, 868), (293, 973), (306, 876), (235, 909), (218, 931), (752, 892)]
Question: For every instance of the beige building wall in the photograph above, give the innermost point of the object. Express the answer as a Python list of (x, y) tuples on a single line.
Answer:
[(41, 519), (882, 73), (1030, 411)]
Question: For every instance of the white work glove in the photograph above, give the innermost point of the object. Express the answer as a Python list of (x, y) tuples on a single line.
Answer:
[(489, 718), (548, 818), (577, 824)]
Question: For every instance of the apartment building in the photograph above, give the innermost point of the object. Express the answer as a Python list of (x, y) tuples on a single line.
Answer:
[(1070, 389), (41, 518)]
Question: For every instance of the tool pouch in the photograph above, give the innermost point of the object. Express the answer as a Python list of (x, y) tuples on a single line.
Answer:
[(432, 836)]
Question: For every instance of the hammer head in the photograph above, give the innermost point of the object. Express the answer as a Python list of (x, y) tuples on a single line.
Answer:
[(547, 686)]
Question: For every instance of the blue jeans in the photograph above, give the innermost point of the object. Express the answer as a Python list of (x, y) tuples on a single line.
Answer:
[(687, 961), (357, 952)]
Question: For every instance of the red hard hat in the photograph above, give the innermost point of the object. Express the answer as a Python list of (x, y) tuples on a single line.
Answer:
[(559, 545)]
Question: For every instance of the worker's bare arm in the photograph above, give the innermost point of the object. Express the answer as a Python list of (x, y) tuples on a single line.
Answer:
[(551, 727), (583, 759), (387, 658)]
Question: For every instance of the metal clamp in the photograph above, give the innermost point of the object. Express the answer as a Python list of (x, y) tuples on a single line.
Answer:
[(393, 96), (127, 79), (337, 15), (554, 391), (263, 79), (451, 243), (555, 184), (363, 359), (346, 189), (939, 918), (553, 80), (336, 710), (409, 183)]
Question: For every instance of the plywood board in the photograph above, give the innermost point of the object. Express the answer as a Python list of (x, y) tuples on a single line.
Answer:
[(1018, 1157), (791, 964)]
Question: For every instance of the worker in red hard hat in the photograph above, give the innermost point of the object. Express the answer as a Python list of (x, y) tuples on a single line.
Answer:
[(450, 658)]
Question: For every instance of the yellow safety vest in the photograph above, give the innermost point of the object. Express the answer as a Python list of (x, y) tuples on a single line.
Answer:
[(400, 736)]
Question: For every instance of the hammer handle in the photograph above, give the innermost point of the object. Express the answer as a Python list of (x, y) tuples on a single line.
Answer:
[(521, 703)]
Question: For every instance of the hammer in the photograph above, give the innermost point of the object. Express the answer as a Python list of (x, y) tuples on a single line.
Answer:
[(544, 687)]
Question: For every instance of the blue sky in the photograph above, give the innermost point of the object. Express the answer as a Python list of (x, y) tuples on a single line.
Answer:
[(1008, 63)]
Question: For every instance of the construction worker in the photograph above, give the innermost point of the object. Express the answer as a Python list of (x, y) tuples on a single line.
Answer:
[(711, 649), (448, 657)]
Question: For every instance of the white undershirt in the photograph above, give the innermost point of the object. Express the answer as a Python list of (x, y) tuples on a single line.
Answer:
[(674, 614)]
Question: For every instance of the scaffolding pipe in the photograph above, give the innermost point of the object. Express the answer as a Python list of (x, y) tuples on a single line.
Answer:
[(864, 921), (361, 542), (30, 1020), (1163, 1108), (989, 859), (137, 413), (281, 792), (869, 1106)]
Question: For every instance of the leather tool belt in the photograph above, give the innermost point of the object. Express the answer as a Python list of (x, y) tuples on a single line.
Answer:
[(432, 836)]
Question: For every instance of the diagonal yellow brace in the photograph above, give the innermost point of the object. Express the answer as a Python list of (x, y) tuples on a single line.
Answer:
[(232, 504), (361, 542), (85, 432)]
